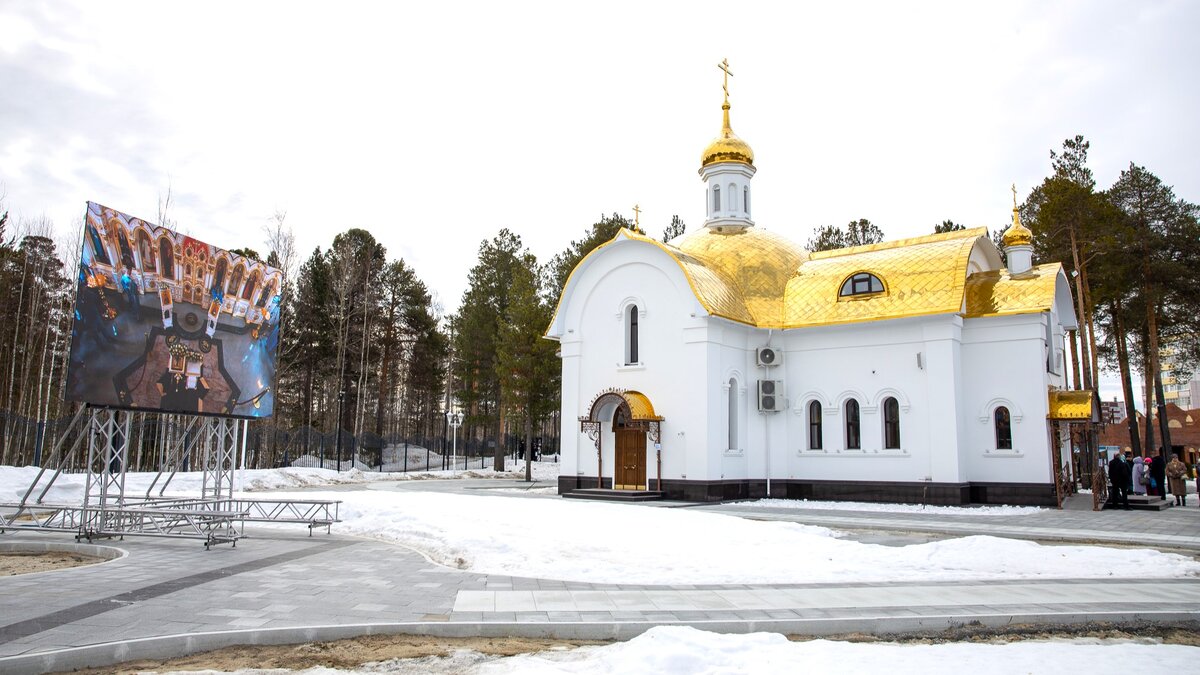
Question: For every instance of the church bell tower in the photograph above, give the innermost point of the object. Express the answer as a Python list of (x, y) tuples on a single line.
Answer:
[(726, 166)]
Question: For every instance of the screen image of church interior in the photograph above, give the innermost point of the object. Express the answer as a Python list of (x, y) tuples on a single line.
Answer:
[(166, 322)]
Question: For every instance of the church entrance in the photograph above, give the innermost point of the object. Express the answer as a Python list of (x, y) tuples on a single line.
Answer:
[(630, 459), (630, 418)]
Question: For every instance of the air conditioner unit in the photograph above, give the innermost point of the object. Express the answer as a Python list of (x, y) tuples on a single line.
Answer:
[(770, 395), (768, 356)]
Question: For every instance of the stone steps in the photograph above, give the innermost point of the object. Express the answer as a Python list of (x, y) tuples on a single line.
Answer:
[(615, 495)]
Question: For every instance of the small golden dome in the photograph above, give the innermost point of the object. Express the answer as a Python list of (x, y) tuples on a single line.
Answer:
[(727, 147), (1017, 234)]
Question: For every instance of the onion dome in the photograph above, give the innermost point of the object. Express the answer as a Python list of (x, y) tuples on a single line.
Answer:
[(1016, 234), (727, 147)]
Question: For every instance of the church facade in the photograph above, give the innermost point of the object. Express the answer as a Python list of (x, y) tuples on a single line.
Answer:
[(731, 363)]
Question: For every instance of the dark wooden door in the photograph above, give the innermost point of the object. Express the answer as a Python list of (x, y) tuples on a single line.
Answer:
[(630, 473)]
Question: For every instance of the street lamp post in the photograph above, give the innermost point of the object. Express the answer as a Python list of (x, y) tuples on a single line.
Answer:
[(337, 427), (455, 419)]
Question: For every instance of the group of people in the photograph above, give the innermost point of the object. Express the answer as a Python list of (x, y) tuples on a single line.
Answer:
[(1147, 476)]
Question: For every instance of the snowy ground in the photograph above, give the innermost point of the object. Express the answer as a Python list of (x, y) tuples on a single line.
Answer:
[(673, 650), (618, 543)]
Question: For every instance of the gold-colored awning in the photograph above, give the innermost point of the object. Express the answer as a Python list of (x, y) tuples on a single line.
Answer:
[(640, 407), (1075, 406)]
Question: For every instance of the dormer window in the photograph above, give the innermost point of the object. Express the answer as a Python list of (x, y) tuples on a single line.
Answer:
[(862, 283)]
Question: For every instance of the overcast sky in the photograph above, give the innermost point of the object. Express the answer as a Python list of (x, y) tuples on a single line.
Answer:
[(433, 125)]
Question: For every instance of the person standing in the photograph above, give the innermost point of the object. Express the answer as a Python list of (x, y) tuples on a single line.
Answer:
[(1177, 471), (1139, 475), (1118, 475), (1158, 472)]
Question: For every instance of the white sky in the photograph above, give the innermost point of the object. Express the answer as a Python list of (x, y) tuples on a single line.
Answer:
[(433, 125)]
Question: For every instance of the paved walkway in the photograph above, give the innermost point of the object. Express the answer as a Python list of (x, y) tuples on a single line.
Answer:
[(167, 597)]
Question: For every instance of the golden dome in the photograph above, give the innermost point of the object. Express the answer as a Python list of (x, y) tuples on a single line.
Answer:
[(727, 147), (1017, 234)]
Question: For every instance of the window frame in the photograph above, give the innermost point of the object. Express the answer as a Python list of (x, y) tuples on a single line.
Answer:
[(891, 423), (1007, 427), (849, 288), (853, 426), (816, 431)]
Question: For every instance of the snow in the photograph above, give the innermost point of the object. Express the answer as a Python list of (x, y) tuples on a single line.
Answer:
[(68, 488), (888, 508), (680, 650), (627, 544)]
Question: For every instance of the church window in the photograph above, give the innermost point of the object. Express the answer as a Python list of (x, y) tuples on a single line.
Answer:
[(732, 198), (853, 428), (891, 424), (814, 426), (733, 414), (631, 336), (716, 205), (746, 200), (1003, 429), (862, 283)]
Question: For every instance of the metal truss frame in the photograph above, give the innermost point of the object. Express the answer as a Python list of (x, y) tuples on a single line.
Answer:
[(182, 442)]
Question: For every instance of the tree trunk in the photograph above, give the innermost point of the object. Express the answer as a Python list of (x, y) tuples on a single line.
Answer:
[(1135, 443), (528, 445), (1073, 339), (1148, 373)]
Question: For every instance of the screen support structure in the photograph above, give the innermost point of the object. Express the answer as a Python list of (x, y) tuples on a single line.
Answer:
[(115, 438)]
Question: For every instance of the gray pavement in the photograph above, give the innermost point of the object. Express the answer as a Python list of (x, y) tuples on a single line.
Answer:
[(167, 597)]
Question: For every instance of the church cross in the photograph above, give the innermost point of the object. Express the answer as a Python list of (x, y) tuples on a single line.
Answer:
[(637, 215), (724, 65), (1014, 190)]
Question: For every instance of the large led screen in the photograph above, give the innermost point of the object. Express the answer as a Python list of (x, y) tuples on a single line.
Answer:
[(165, 322)]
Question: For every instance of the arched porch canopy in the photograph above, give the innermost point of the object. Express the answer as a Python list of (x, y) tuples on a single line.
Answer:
[(634, 406)]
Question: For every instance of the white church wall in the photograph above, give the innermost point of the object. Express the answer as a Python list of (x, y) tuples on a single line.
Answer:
[(593, 329), (868, 362), (1005, 364)]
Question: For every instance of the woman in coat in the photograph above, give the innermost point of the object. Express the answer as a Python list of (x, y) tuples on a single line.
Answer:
[(1176, 471), (1139, 476)]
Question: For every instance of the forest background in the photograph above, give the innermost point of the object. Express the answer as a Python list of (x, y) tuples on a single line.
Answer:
[(366, 349)]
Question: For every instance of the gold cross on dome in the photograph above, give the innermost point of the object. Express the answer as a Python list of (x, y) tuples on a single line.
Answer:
[(724, 65), (1014, 189), (637, 215)]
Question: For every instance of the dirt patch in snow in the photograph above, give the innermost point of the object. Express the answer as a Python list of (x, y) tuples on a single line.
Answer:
[(25, 563)]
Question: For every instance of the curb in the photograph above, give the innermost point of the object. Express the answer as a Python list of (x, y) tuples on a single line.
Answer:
[(170, 646)]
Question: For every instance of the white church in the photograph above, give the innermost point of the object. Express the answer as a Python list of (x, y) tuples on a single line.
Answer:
[(731, 363)]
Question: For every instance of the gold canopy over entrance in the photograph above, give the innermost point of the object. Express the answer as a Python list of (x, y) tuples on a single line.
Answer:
[(633, 416)]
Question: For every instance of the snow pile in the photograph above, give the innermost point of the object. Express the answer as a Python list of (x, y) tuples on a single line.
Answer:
[(680, 650), (626, 544), (874, 507)]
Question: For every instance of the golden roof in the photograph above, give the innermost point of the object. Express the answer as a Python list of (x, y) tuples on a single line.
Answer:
[(996, 293), (920, 275), (762, 279), (1017, 234), (727, 147), (1072, 405)]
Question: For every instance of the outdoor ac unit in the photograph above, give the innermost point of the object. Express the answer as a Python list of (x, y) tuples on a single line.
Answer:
[(770, 395), (768, 356)]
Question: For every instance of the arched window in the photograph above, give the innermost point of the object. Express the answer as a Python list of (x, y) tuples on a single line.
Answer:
[(251, 284), (746, 200), (631, 336), (166, 254), (1003, 429), (716, 205), (814, 426), (861, 284), (853, 428), (891, 424), (732, 198), (733, 411)]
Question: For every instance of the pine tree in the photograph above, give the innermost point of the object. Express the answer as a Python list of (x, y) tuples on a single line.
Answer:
[(857, 233), (947, 226), (675, 229), (526, 361)]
